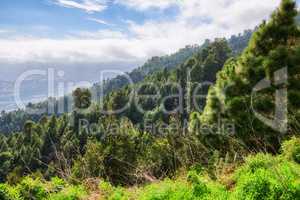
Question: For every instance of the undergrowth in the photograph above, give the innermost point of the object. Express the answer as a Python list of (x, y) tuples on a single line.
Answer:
[(262, 176)]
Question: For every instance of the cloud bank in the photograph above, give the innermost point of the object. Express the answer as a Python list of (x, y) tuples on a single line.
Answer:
[(196, 21)]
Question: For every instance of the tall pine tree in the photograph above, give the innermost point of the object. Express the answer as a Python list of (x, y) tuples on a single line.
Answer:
[(274, 46)]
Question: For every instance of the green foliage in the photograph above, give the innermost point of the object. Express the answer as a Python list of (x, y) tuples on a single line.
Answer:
[(36, 189), (91, 164), (254, 163), (8, 193), (167, 190), (32, 189), (291, 149), (106, 189), (5, 164), (56, 184), (108, 192), (267, 177), (119, 194), (82, 98), (199, 187), (273, 45), (255, 186), (69, 193), (262, 176)]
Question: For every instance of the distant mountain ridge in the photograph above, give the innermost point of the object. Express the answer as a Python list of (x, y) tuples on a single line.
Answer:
[(236, 42), (152, 65)]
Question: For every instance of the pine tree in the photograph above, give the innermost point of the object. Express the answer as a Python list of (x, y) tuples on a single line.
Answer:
[(273, 46)]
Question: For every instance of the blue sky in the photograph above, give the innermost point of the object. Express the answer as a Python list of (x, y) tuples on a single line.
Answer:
[(54, 19), (113, 34)]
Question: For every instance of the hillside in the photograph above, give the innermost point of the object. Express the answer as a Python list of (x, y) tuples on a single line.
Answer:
[(216, 121), (236, 42), (152, 65)]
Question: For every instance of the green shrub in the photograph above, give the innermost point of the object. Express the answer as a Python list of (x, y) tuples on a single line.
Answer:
[(254, 163), (206, 189), (8, 193), (288, 191), (196, 188), (267, 178), (119, 194), (114, 193), (56, 184), (291, 149), (167, 190), (253, 186), (4, 192), (69, 193), (217, 192), (199, 187), (32, 189), (106, 189), (266, 185)]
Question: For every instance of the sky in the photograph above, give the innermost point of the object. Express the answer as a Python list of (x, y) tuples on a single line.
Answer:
[(85, 36)]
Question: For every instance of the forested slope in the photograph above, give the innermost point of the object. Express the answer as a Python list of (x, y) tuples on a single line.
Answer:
[(236, 42)]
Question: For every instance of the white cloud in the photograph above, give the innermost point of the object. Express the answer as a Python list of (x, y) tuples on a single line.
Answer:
[(99, 35), (196, 21), (147, 4), (229, 13), (89, 6), (201, 19), (107, 49)]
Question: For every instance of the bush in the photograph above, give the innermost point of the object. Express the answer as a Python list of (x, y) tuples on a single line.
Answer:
[(199, 187), (254, 163), (106, 189), (206, 189), (119, 194), (291, 150), (267, 178), (254, 186), (69, 193), (56, 184), (8, 193), (32, 189), (114, 193), (167, 190)]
